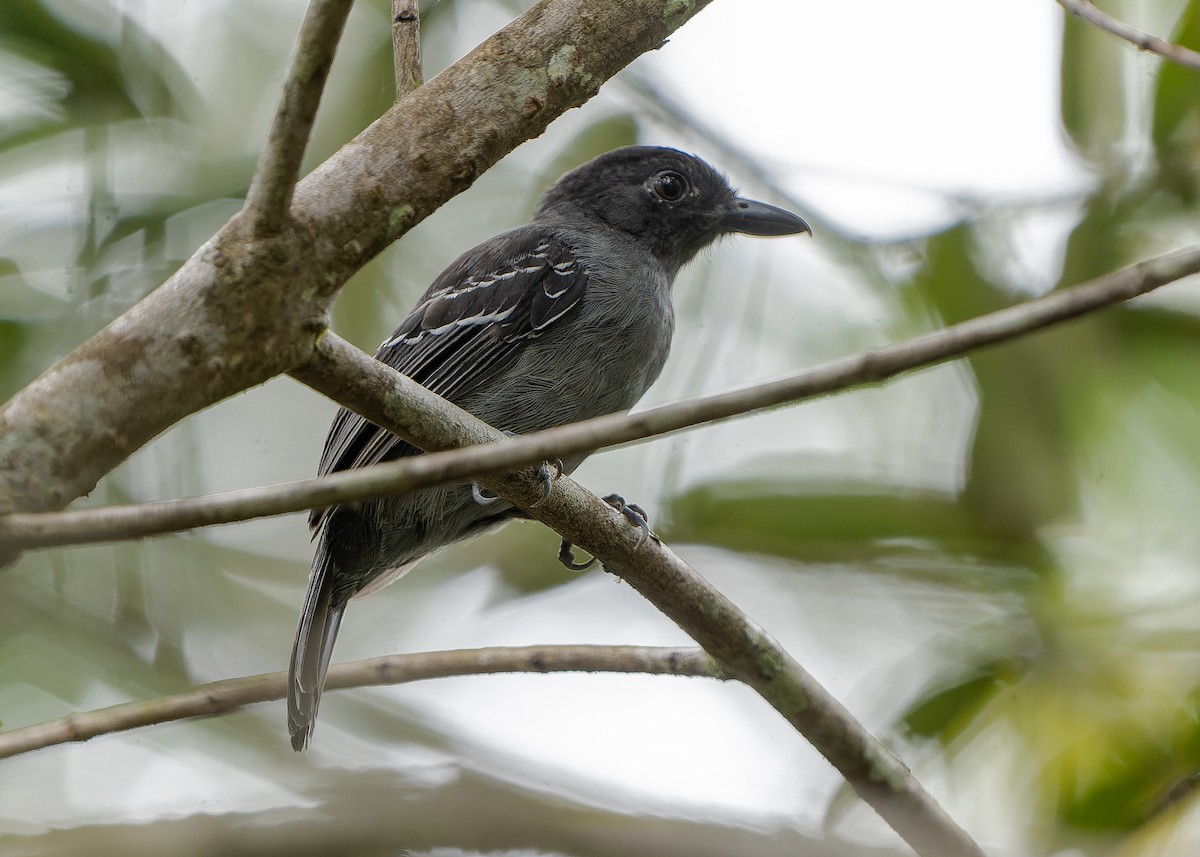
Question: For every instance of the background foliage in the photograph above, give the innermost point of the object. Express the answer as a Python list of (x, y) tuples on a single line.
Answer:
[(993, 563)]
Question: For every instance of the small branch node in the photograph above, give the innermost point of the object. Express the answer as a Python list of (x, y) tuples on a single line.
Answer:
[(406, 45), (1142, 41)]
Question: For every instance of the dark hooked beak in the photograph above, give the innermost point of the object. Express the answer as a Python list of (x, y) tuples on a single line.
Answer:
[(758, 218)]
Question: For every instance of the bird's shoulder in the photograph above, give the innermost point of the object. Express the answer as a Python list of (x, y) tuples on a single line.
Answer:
[(509, 288)]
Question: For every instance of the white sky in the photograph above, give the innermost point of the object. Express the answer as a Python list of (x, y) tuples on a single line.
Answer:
[(873, 102)]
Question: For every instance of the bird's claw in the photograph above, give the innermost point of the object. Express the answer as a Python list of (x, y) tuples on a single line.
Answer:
[(547, 475), (567, 557), (482, 496), (632, 512)]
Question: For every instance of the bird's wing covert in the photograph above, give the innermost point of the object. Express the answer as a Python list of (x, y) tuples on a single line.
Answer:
[(468, 326)]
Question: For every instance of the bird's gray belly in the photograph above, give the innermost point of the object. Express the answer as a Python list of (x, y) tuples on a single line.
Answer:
[(568, 375)]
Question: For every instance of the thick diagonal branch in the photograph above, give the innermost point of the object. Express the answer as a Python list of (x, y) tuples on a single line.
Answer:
[(244, 309)]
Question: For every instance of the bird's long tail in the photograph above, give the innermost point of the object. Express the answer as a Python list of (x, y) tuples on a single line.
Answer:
[(315, 635)]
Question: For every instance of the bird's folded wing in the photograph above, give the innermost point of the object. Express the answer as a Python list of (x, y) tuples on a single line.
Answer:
[(470, 324)]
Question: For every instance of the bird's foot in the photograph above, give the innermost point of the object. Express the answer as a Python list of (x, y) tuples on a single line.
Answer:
[(547, 473), (632, 512)]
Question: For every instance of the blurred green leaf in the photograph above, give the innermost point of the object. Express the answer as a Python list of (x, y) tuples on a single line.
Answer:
[(1105, 238), (1142, 775), (945, 714), (762, 517), (1163, 343), (1018, 478), (1175, 130), (12, 339), (107, 82), (1091, 89), (22, 302)]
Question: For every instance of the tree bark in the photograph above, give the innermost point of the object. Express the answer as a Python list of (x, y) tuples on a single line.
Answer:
[(243, 309)]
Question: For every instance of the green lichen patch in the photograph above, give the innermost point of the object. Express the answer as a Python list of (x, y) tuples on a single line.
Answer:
[(565, 65), (676, 7), (398, 215)]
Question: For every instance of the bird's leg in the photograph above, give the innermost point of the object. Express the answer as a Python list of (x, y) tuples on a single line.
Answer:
[(632, 512), (547, 473)]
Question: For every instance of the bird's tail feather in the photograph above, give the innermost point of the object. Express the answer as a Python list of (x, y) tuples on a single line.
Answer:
[(315, 635)]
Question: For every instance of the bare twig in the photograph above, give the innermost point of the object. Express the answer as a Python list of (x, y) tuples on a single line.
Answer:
[(333, 371), (406, 45), (220, 697), (1146, 42), (278, 168)]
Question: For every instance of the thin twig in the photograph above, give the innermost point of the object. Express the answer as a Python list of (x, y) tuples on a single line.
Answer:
[(220, 697), (406, 45), (278, 169), (1146, 42), (333, 372)]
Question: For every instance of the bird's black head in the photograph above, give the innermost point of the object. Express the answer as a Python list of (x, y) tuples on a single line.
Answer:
[(672, 202)]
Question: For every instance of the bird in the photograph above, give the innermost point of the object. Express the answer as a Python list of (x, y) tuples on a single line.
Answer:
[(565, 318)]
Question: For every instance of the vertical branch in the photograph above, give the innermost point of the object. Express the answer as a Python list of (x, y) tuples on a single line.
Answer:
[(406, 45), (278, 168)]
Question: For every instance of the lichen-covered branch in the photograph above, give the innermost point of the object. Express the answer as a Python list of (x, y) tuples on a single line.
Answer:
[(245, 308)]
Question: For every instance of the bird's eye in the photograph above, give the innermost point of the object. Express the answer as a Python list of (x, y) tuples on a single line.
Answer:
[(670, 186)]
